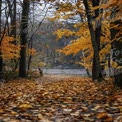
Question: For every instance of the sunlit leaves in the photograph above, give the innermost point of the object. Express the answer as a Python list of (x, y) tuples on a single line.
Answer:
[(63, 32), (82, 43)]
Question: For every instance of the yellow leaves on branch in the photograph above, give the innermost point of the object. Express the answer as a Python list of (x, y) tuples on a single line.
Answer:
[(9, 49), (63, 32), (66, 10), (83, 31), (65, 7), (76, 46), (56, 17), (105, 51), (111, 3), (31, 51), (82, 43)]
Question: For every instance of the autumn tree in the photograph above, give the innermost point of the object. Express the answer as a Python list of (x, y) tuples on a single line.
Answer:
[(116, 38), (95, 38), (112, 13), (116, 35), (95, 30), (12, 8)]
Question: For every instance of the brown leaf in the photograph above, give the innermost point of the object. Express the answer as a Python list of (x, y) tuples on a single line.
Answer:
[(1, 111), (109, 119), (42, 118), (102, 115)]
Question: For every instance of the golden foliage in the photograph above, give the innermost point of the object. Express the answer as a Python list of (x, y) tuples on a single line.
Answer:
[(84, 44), (9, 49), (83, 41), (31, 51), (112, 3), (63, 32)]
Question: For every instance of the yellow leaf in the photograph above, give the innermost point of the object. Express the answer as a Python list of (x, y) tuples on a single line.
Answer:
[(120, 107)]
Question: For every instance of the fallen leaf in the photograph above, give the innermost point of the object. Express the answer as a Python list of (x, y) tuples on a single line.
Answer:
[(109, 119), (1, 111), (102, 115), (42, 118), (25, 106), (67, 111), (120, 107)]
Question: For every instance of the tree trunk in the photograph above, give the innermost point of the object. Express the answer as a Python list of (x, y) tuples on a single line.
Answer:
[(117, 53), (13, 21), (12, 11), (23, 38), (1, 59), (14, 33), (88, 73), (95, 38)]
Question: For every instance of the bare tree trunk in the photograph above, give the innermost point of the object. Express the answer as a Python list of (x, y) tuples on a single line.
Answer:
[(30, 42), (1, 59), (23, 38), (13, 32), (12, 12), (95, 38), (30, 56), (13, 21)]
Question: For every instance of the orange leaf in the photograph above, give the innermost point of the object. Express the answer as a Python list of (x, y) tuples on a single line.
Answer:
[(102, 115)]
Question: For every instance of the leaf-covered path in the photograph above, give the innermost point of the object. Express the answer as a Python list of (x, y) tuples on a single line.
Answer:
[(59, 99)]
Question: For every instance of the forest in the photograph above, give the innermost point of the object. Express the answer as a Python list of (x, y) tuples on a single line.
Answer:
[(40, 37)]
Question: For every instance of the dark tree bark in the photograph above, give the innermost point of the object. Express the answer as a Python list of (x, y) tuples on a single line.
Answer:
[(117, 52), (23, 38), (12, 12), (13, 32), (95, 38), (13, 21), (1, 59), (30, 56)]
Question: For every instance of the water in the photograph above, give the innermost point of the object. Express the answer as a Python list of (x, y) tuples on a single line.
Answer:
[(65, 71)]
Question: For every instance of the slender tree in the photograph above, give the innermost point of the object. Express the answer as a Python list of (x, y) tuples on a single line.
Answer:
[(23, 38), (1, 59)]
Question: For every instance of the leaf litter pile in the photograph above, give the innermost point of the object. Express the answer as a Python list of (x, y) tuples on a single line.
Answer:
[(57, 99)]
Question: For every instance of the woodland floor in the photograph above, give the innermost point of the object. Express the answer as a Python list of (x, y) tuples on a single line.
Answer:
[(59, 99)]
